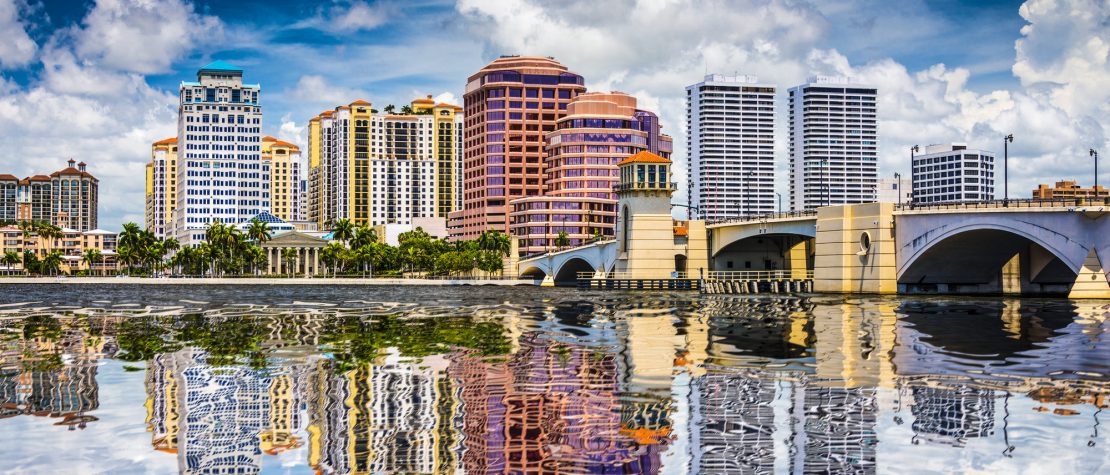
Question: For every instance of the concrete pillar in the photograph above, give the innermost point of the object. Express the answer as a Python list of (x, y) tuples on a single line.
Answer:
[(297, 262), (269, 260), (855, 249), (797, 259), (1010, 280), (1091, 282), (548, 281)]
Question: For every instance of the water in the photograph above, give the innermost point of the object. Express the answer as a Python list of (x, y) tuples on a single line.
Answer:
[(160, 379)]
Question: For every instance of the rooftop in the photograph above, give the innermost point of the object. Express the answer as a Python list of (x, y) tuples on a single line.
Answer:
[(644, 157), (221, 67)]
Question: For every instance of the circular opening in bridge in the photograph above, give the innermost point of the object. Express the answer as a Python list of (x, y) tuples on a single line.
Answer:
[(865, 242)]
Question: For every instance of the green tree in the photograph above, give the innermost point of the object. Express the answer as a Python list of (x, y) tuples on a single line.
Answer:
[(11, 258), (562, 240), (343, 230), (389, 109), (289, 256), (259, 231), (91, 257), (51, 263)]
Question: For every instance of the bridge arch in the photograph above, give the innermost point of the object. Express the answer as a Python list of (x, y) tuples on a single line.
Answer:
[(568, 271), (774, 251), (986, 257), (534, 272)]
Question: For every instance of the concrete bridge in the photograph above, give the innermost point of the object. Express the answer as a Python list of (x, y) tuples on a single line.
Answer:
[(1025, 247)]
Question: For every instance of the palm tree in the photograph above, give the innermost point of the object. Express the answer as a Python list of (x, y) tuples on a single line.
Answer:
[(289, 256), (51, 263), (406, 110), (259, 231), (91, 257), (363, 236), (389, 109), (562, 240), (343, 231), (170, 245), (11, 258)]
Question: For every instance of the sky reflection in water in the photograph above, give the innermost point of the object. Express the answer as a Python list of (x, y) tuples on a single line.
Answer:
[(523, 380)]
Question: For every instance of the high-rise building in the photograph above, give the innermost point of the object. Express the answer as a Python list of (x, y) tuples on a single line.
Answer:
[(73, 197), (383, 168), (1068, 189), (730, 126), (32, 200), (834, 143), (509, 105), (949, 173), (220, 173), (284, 160), (161, 187), (9, 186), (66, 198), (599, 130)]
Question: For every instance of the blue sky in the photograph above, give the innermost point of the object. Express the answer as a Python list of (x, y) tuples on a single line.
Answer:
[(96, 80)]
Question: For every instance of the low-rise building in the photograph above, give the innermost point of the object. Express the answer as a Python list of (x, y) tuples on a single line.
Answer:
[(951, 173), (1069, 189), (70, 243), (895, 190)]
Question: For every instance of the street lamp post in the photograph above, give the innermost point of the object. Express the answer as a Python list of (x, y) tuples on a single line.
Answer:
[(913, 150), (1006, 141), (778, 196), (1094, 153)]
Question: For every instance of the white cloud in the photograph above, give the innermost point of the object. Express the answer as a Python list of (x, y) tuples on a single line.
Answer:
[(655, 49), (360, 16), (143, 36), (313, 90), (447, 97), (17, 49)]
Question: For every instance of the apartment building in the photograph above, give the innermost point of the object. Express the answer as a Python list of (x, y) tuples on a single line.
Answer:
[(951, 173)]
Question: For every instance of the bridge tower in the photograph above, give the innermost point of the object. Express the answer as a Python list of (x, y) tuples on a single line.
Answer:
[(647, 246)]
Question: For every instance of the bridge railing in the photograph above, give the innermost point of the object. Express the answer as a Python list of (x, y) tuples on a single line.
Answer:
[(630, 276), (764, 217), (1013, 203), (760, 275)]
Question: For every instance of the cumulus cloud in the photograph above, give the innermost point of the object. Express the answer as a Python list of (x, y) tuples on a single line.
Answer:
[(17, 49), (350, 17), (143, 36), (88, 105), (1061, 60), (316, 91)]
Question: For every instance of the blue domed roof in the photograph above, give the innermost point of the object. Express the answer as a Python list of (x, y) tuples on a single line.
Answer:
[(221, 66)]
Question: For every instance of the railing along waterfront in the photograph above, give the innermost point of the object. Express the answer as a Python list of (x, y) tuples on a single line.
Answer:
[(1014, 203), (760, 275), (765, 217), (629, 276)]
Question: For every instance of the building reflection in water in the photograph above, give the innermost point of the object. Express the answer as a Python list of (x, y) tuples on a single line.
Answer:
[(50, 371), (726, 385)]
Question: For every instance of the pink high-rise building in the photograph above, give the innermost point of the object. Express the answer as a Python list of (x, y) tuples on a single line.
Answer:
[(509, 105), (599, 130)]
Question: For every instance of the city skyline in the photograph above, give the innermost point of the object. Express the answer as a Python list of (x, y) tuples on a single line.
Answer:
[(1039, 83)]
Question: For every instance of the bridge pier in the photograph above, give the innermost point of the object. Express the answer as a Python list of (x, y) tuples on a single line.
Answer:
[(855, 249), (1091, 283)]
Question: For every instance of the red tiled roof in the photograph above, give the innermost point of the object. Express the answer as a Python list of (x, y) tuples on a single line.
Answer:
[(644, 157), (8, 177), (360, 102), (171, 140)]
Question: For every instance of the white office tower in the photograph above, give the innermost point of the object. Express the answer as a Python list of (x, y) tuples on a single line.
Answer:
[(950, 173), (220, 171), (834, 143), (730, 124)]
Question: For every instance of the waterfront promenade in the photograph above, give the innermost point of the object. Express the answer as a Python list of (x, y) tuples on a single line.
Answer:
[(259, 281)]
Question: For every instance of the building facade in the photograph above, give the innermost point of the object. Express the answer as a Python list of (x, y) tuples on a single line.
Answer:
[(895, 190), (161, 187), (285, 167), (950, 173), (1069, 189), (67, 198), (73, 197), (509, 105), (730, 126), (220, 172), (599, 130), (378, 168), (834, 143)]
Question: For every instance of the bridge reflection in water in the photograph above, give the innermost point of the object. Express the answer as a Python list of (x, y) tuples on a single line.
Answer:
[(586, 384)]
